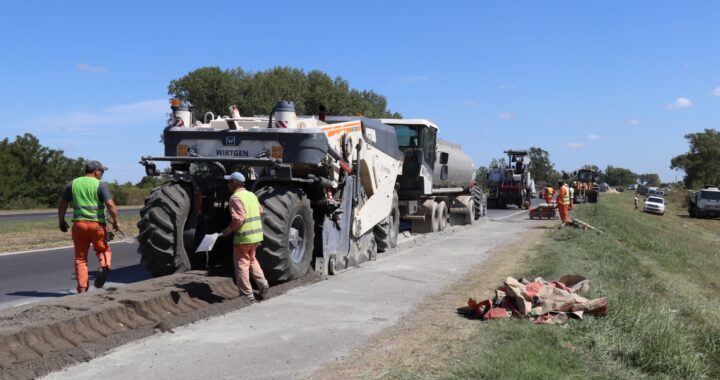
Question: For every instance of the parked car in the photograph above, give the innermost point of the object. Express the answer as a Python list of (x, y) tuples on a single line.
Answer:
[(655, 205)]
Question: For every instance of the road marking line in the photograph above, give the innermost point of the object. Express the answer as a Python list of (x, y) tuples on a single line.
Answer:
[(54, 248), (507, 216)]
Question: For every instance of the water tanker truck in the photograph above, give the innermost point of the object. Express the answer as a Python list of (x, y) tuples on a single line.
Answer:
[(437, 183), (327, 189)]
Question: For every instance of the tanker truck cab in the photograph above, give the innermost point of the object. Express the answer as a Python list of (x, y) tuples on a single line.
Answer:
[(417, 139), (437, 183)]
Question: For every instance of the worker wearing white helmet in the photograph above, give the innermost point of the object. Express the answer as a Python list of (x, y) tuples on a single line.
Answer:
[(246, 225)]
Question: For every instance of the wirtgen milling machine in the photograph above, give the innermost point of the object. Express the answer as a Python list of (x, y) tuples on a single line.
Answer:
[(327, 189)]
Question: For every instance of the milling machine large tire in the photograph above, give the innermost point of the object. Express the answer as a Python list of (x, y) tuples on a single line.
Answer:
[(386, 232), (481, 203), (161, 226), (289, 233)]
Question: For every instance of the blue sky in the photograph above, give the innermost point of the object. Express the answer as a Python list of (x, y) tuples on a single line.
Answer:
[(607, 83)]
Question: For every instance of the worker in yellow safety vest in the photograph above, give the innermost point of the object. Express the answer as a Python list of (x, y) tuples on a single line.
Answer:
[(89, 197), (246, 225)]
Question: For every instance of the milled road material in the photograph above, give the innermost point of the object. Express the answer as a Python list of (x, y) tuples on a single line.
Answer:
[(47, 336), (295, 335)]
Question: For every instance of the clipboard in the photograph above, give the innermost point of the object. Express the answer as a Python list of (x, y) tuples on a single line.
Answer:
[(207, 243)]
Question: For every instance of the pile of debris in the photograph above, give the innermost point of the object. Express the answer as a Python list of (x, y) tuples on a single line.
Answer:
[(543, 302)]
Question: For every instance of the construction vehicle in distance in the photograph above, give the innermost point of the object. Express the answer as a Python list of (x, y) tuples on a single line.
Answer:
[(327, 189), (705, 203), (586, 188), (437, 184), (512, 184)]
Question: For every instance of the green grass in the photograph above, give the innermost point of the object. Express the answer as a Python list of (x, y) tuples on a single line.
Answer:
[(661, 275), (44, 233)]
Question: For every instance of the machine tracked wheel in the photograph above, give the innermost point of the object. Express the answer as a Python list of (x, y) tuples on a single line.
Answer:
[(287, 248), (161, 226), (387, 231)]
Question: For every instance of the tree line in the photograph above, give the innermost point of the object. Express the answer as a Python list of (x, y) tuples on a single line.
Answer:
[(212, 89), (33, 176)]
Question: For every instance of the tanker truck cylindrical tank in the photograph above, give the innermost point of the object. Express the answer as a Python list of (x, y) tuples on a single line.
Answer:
[(461, 168)]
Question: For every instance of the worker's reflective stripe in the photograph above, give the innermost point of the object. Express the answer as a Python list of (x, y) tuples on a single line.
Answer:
[(94, 218), (88, 207), (86, 202), (251, 229), (250, 232)]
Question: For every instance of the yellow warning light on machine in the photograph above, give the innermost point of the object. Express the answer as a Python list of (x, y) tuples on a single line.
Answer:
[(277, 151), (182, 150)]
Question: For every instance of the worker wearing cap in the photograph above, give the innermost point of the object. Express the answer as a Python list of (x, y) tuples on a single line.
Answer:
[(563, 201), (549, 194), (89, 197), (246, 224)]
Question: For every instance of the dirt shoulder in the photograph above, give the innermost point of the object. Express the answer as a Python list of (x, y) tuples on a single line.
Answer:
[(425, 339)]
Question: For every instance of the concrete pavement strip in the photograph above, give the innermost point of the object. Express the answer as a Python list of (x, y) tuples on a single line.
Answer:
[(297, 334)]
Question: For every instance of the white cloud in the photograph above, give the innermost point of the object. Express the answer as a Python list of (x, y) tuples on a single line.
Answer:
[(633, 122), (506, 115), (91, 122), (593, 137), (469, 103), (91, 69), (716, 91), (414, 79), (574, 145), (680, 103)]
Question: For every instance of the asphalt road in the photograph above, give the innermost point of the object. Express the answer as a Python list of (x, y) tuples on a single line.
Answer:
[(296, 334), (33, 276), (50, 214)]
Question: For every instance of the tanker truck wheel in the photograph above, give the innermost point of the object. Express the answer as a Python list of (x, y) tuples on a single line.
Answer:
[(387, 231), (442, 215), (161, 226), (287, 248)]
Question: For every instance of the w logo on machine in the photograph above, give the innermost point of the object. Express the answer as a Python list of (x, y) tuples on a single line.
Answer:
[(231, 140)]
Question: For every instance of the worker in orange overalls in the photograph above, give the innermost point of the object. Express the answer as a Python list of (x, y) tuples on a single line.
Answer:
[(549, 194), (89, 197), (563, 201)]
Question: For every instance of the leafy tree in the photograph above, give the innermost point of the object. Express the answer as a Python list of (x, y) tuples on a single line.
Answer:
[(148, 182), (619, 176), (702, 163), (209, 89), (498, 162), (213, 89), (649, 179), (33, 175), (543, 168), (481, 177)]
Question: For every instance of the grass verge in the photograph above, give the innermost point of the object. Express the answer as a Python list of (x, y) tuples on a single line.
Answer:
[(660, 274), (37, 234)]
